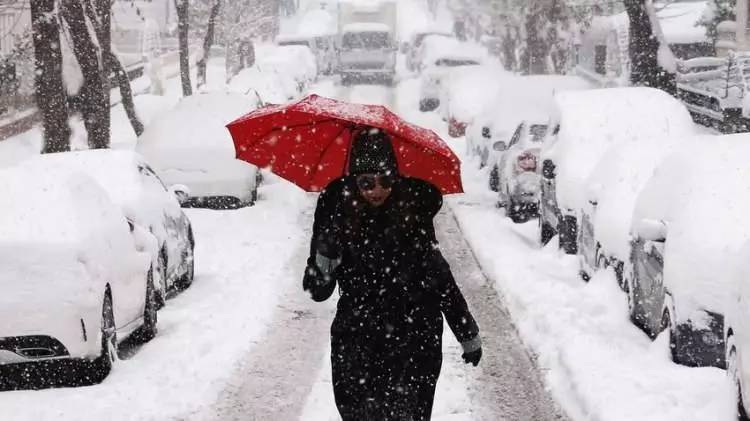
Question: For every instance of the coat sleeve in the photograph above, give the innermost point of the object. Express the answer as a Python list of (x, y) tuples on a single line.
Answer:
[(452, 302), (317, 280)]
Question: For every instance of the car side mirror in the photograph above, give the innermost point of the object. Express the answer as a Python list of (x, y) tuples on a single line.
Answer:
[(181, 192), (651, 230), (499, 146), (548, 169)]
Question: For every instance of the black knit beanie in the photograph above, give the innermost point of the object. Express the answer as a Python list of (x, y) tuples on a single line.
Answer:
[(372, 153)]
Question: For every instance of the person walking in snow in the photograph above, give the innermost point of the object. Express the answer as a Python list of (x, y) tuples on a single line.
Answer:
[(373, 236)]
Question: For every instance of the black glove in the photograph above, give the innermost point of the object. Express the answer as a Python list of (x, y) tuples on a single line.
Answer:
[(472, 357), (319, 286)]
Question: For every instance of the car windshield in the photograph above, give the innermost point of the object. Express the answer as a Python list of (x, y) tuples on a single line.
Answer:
[(537, 132), (367, 40), (303, 43), (450, 62)]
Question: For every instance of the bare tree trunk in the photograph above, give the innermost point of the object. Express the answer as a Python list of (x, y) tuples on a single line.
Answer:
[(645, 69), (93, 97), (182, 32), (112, 63), (126, 93), (49, 89), (536, 45), (207, 43)]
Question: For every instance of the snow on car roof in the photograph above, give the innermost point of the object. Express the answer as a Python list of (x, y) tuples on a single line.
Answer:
[(436, 47), (194, 130), (701, 192), (470, 88), (614, 184), (49, 206), (366, 27), (592, 120)]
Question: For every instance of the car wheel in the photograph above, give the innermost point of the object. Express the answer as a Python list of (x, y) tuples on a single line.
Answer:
[(150, 316), (733, 372), (494, 181), (161, 296), (667, 326), (186, 279), (546, 232), (103, 364)]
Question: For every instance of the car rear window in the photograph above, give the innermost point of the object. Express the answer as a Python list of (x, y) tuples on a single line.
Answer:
[(368, 40), (538, 132), (449, 62)]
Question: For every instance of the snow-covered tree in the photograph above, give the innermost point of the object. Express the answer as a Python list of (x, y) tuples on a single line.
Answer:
[(50, 90), (717, 11), (652, 62)]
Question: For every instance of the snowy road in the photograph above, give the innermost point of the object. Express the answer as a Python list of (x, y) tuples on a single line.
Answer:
[(286, 376)]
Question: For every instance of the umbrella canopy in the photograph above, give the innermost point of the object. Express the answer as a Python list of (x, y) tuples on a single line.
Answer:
[(308, 142)]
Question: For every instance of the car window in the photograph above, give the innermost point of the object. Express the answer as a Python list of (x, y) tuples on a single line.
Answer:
[(368, 40), (147, 171), (516, 135), (448, 62), (538, 132)]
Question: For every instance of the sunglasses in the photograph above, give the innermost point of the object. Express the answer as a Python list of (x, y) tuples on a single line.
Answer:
[(368, 182)]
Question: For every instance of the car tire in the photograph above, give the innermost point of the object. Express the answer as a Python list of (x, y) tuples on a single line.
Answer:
[(668, 326), (100, 368), (150, 314), (162, 267), (184, 281), (733, 372), (546, 232), (494, 179)]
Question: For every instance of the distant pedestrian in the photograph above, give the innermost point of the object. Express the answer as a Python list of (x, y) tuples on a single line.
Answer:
[(373, 236)]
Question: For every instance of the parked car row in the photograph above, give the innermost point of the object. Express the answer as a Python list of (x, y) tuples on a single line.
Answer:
[(92, 243), (628, 182)]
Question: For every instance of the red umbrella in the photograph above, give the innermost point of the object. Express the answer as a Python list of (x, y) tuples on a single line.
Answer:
[(308, 142)]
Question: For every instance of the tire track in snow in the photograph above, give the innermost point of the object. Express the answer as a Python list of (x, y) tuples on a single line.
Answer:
[(274, 379), (507, 384)]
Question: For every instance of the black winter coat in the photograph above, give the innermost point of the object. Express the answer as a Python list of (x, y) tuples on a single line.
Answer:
[(394, 283)]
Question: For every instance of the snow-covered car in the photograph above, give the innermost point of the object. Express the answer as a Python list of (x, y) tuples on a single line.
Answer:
[(465, 92), (437, 65), (584, 125), (737, 333), (611, 191), (501, 117), (367, 50), (415, 47), (268, 87), (689, 222), (518, 172), (191, 146), (145, 200), (295, 61), (322, 47), (75, 275)]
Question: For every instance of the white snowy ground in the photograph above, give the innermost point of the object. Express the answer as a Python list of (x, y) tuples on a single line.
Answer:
[(598, 365)]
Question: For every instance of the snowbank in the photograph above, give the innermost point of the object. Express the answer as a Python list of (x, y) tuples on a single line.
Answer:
[(467, 90), (591, 121)]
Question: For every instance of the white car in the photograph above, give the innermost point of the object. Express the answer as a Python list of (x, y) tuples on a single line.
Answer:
[(518, 171), (439, 63), (415, 49), (295, 61), (134, 186), (737, 333), (75, 275), (322, 47), (584, 125), (689, 222), (191, 146), (501, 116), (465, 92)]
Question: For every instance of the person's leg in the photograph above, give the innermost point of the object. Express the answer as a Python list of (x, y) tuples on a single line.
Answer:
[(411, 386), (351, 374)]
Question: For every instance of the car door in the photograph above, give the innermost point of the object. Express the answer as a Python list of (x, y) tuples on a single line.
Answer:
[(650, 274)]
